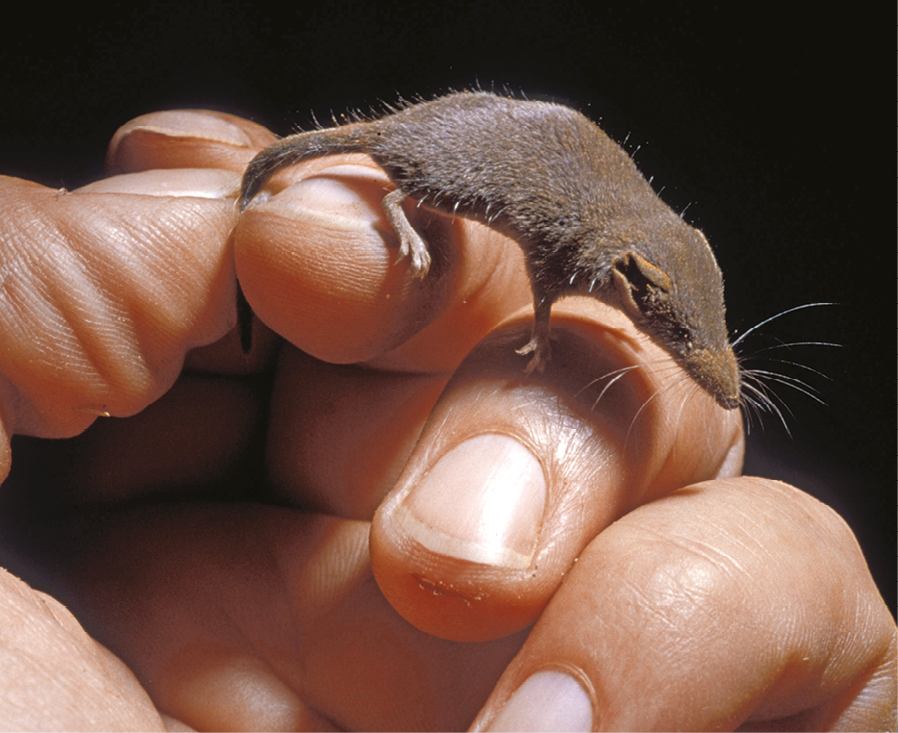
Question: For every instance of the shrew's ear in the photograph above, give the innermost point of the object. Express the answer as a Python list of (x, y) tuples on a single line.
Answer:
[(642, 287)]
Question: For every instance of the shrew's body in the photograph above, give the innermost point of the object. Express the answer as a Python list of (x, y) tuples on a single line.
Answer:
[(585, 217)]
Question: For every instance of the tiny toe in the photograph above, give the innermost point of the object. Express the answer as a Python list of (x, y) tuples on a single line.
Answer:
[(528, 348), (542, 353), (420, 264), (535, 365)]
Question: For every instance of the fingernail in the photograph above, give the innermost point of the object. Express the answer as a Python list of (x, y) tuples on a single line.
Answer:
[(186, 124), (483, 502), (547, 701), (196, 182)]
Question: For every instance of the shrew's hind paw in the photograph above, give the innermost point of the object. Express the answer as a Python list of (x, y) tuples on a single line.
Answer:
[(528, 348), (541, 349), (410, 243), (415, 249)]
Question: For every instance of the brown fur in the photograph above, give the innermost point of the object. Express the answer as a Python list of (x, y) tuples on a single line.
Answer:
[(585, 217)]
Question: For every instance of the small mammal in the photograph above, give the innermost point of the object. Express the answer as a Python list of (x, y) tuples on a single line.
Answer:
[(585, 217)]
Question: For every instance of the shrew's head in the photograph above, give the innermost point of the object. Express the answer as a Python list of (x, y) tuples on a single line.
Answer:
[(667, 280)]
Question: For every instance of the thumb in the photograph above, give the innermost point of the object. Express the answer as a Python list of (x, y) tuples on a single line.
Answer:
[(514, 474)]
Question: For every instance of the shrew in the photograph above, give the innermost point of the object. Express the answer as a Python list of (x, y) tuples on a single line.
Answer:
[(585, 217)]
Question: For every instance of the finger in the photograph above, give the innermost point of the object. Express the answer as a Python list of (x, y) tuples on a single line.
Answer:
[(734, 603), (55, 677), (186, 139), (513, 475), (317, 262), (102, 295), (245, 617), (183, 153)]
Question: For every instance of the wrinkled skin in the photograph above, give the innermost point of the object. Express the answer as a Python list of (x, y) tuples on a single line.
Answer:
[(341, 562)]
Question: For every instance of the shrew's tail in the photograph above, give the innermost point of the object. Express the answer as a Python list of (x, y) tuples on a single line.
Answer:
[(294, 149)]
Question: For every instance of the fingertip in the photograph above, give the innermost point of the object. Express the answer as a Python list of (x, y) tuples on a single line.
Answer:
[(317, 263), (185, 139), (455, 556), (483, 501), (514, 474), (478, 532), (553, 699)]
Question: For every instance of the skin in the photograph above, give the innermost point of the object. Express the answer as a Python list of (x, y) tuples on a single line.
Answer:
[(587, 220), (239, 615)]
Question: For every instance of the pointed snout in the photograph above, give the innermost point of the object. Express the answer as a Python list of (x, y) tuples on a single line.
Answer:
[(717, 372)]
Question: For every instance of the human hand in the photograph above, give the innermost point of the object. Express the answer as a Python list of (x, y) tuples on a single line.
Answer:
[(262, 616)]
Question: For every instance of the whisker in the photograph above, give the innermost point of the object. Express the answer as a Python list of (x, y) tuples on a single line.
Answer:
[(639, 412), (750, 412), (766, 404), (757, 394), (606, 388), (796, 343), (657, 393), (799, 365), (614, 374), (778, 376), (687, 398), (774, 317), (760, 404), (794, 383)]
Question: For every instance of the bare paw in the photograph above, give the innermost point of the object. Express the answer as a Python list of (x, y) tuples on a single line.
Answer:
[(410, 243), (542, 352), (416, 251)]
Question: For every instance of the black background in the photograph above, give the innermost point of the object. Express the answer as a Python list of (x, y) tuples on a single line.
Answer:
[(771, 124)]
